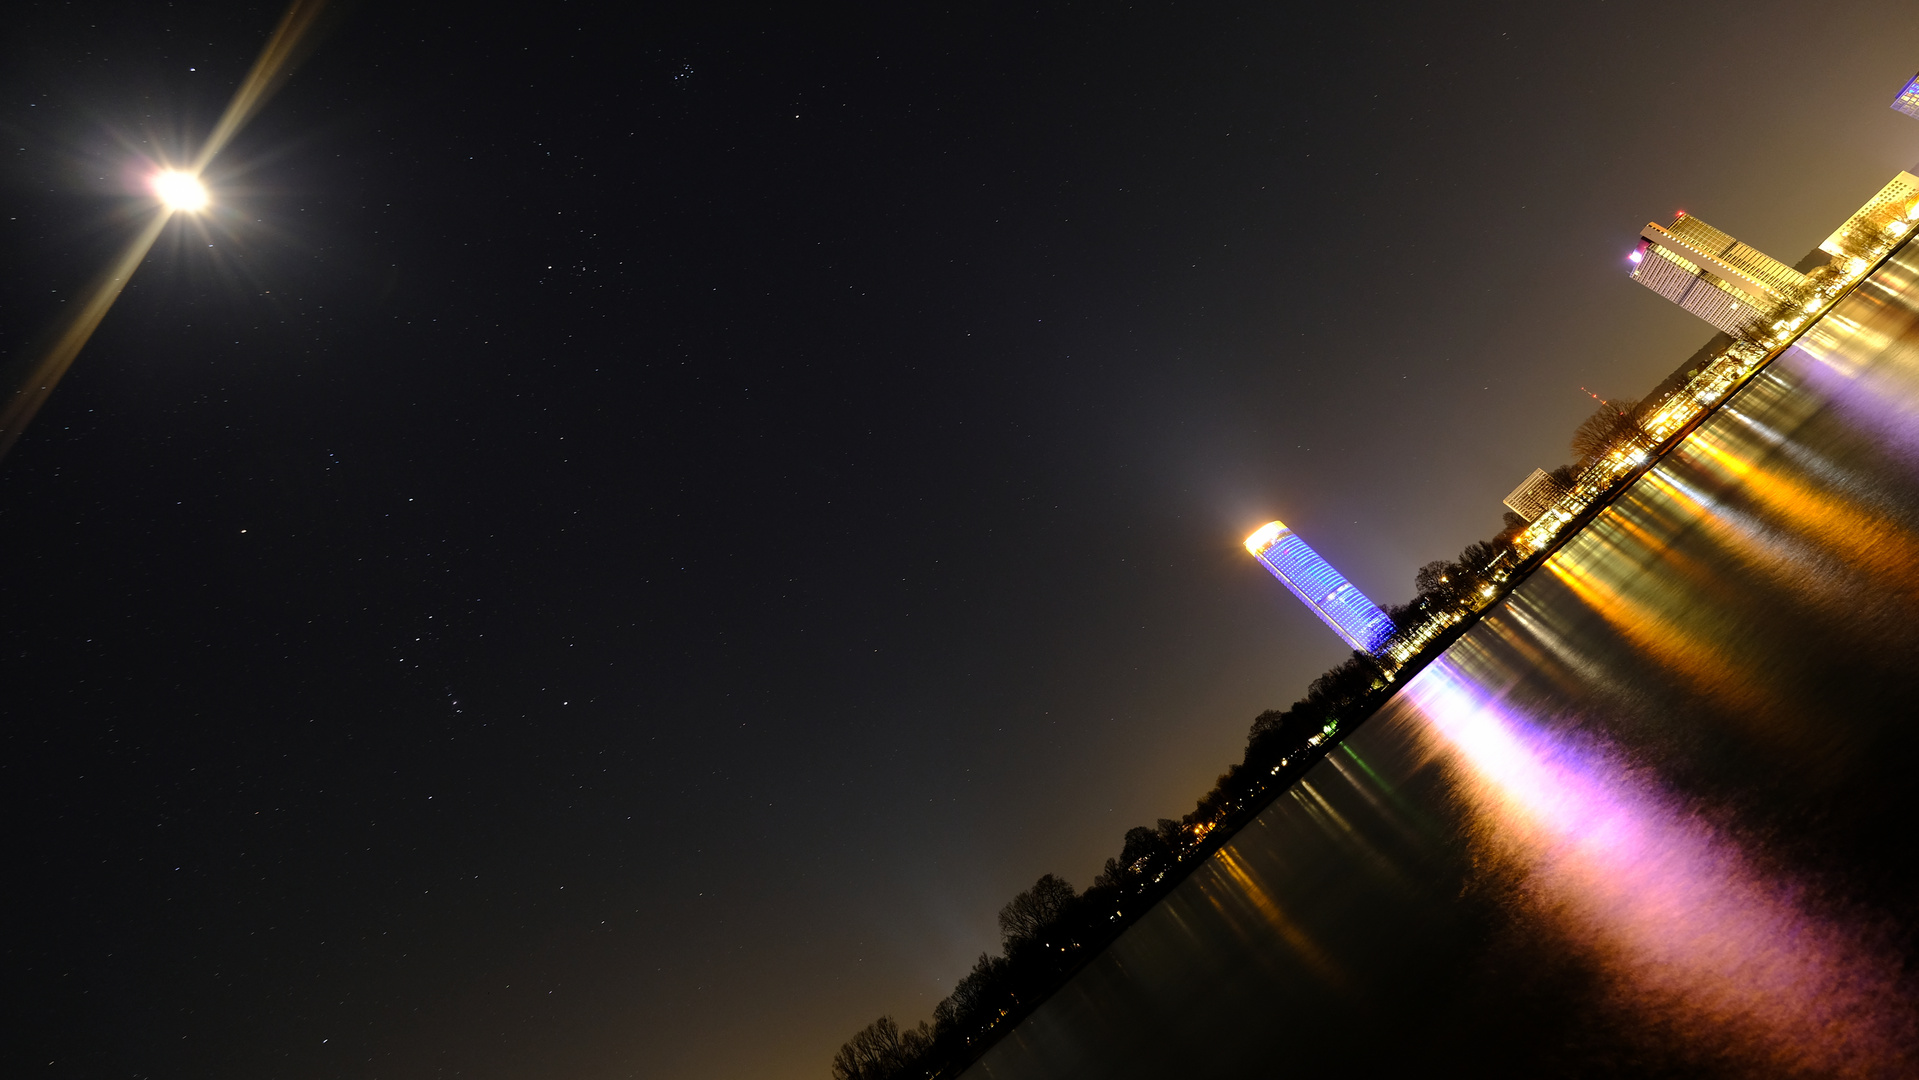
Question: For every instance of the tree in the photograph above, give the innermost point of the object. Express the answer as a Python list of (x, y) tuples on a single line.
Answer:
[(1145, 854), (881, 1051), (1213, 805), (1871, 234), (973, 998), (1436, 579), (1613, 424), (1346, 683), (1028, 916), (1480, 556)]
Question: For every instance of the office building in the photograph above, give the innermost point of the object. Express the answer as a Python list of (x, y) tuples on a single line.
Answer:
[(1335, 600), (1729, 284), (1535, 495)]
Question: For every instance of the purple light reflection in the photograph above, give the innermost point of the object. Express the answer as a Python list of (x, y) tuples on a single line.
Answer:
[(1679, 917)]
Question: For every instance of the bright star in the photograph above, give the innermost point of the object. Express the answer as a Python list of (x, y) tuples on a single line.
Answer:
[(179, 191)]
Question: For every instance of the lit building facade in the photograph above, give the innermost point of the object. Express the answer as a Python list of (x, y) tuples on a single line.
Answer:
[(1535, 495), (1729, 284), (1337, 602), (1908, 100)]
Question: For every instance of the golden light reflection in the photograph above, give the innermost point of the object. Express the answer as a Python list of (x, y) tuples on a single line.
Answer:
[(1710, 670), (1872, 544), (1247, 887)]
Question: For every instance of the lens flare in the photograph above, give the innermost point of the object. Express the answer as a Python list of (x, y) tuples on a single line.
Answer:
[(180, 191)]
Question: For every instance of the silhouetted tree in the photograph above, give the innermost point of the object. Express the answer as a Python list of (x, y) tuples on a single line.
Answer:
[(1437, 579), (1028, 916), (1146, 854), (1214, 804), (1481, 555), (881, 1051), (974, 998), (1345, 683)]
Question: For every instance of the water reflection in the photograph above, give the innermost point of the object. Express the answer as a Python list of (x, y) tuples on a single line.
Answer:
[(1653, 816), (1684, 923)]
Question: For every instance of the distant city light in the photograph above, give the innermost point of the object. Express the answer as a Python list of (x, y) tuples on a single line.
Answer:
[(1635, 256)]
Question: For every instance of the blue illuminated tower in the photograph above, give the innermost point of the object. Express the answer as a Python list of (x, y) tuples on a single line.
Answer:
[(1335, 600)]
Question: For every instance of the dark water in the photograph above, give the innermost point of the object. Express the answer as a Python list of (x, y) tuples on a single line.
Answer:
[(1655, 815)]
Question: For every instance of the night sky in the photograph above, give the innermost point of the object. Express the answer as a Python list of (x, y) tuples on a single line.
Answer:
[(628, 533)]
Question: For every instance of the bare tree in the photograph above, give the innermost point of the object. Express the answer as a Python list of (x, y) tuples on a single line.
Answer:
[(973, 994), (1611, 425), (1435, 578), (881, 1051), (1026, 917), (1872, 233)]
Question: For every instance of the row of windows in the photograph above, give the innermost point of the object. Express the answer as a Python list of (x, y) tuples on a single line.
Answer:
[(1335, 600), (1698, 292), (1760, 266)]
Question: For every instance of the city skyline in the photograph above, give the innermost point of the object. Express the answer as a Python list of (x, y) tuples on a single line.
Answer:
[(536, 539)]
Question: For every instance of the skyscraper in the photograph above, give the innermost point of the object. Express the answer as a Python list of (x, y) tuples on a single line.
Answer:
[(1908, 100), (1330, 596), (1729, 284)]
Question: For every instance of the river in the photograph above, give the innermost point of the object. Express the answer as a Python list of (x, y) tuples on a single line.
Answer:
[(1653, 816)]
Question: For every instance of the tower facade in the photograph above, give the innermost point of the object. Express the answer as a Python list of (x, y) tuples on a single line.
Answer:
[(1729, 284), (1908, 100), (1337, 602)]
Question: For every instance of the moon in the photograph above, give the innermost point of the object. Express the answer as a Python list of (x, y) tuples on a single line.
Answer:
[(179, 191)]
